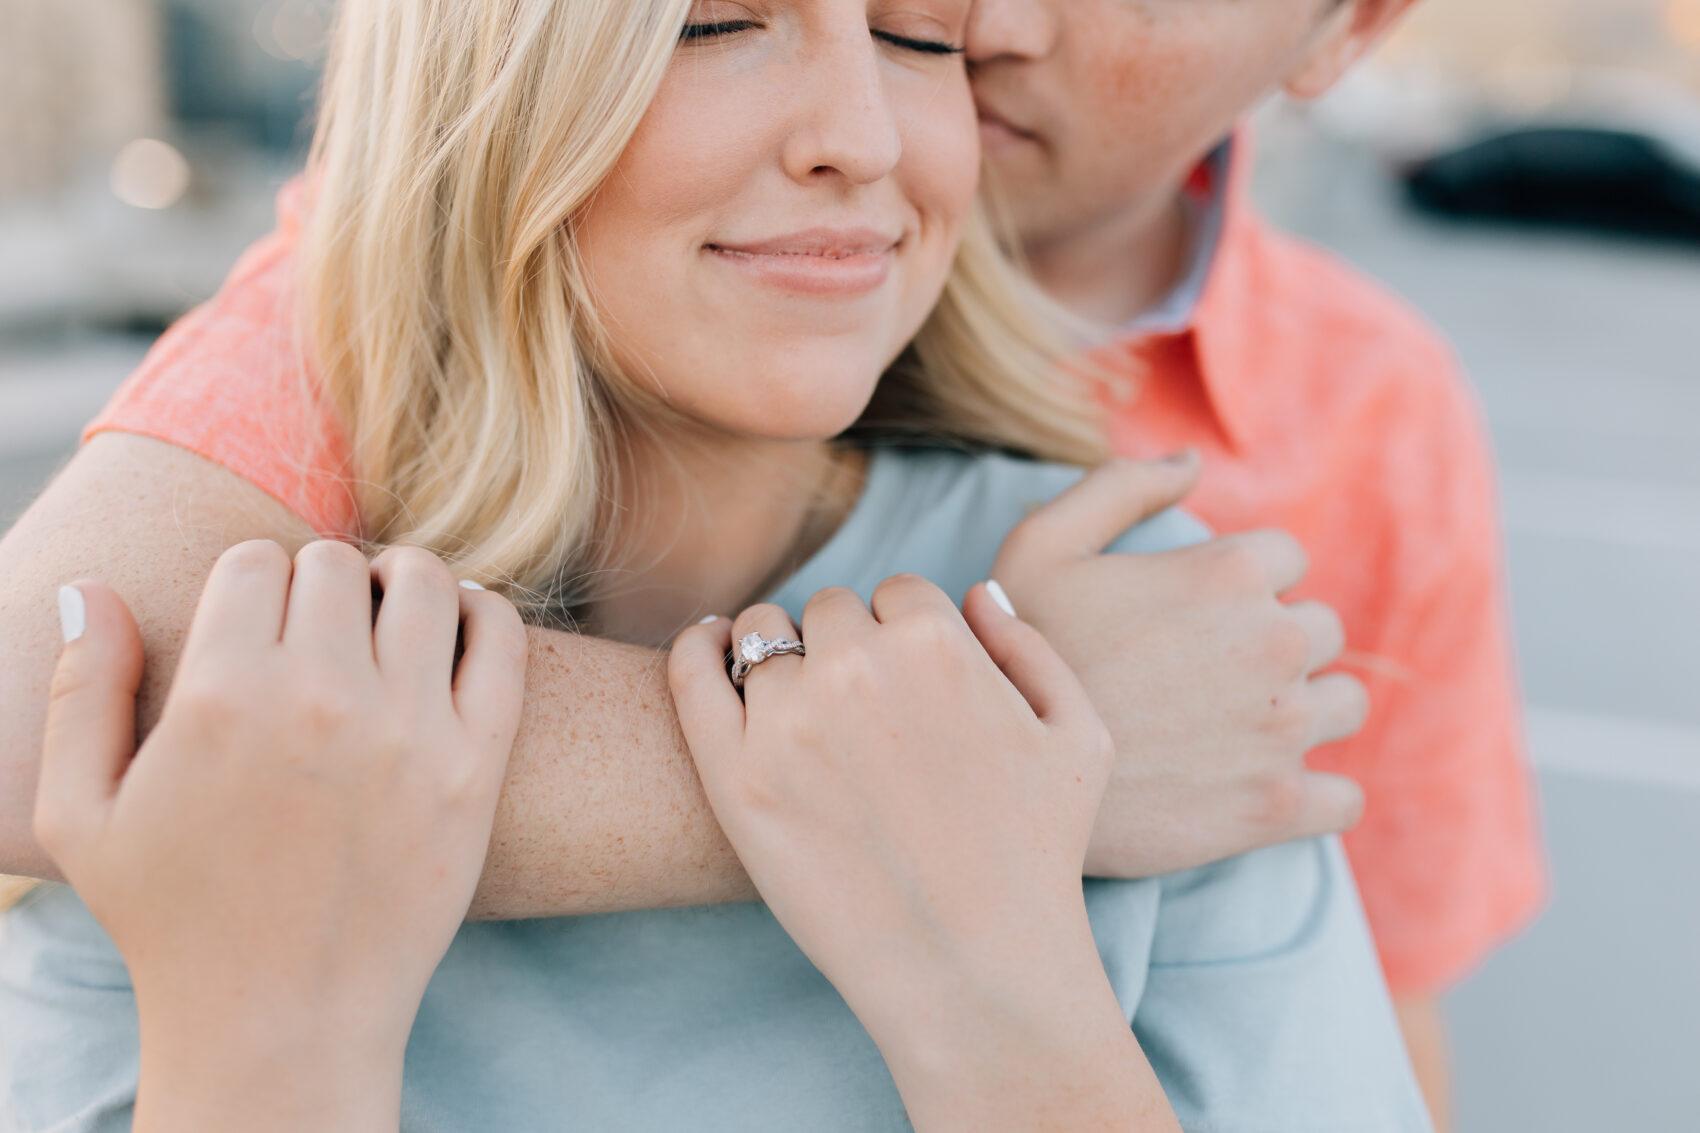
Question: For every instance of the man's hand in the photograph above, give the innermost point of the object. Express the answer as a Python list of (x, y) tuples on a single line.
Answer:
[(1206, 679)]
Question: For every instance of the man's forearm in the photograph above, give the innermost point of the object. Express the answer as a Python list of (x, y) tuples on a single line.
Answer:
[(602, 810)]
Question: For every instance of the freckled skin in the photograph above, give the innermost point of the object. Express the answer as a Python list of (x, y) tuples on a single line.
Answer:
[(1123, 99), (1138, 93)]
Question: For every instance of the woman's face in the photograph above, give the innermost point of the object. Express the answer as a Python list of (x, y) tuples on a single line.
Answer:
[(787, 213)]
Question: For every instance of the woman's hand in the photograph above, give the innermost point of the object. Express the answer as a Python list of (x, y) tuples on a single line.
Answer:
[(913, 799), (288, 856), (1211, 685)]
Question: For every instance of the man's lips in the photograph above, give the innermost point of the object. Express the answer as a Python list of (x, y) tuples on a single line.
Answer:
[(995, 128), (817, 261)]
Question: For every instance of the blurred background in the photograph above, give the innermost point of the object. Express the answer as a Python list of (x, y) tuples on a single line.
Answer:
[(141, 142)]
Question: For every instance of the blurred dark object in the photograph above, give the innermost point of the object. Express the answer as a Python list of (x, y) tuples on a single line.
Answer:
[(1608, 181)]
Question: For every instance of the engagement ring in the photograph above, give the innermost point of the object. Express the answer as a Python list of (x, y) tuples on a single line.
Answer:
[(753, 649)]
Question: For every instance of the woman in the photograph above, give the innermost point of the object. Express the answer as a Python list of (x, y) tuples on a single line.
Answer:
[(589, 297)]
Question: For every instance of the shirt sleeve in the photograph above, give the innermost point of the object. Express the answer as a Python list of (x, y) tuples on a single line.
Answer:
[(1448, 855), (70, 1049), (1264, 1009), (230, 381)]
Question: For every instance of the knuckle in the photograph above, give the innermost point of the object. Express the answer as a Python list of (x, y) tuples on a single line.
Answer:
[(1027, 541), (1290, 721), (926, 633), (423, 568), (1236, 568), (256, 556), (330, 554), (852, 673), (1287, 646), (1282, 544), (762, 614), (460, 770), (1332, 623), (213, 704), (1351, 805), (832, 595), (1356, 695), (1278, 802), (900, 584), (325, 707), (70, 680), (508, 637), (390, 737)]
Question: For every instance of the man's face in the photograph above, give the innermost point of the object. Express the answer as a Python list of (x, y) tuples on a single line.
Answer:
[(1094, 110)]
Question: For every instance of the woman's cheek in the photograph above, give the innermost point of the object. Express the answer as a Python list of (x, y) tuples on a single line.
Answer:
[(941, 146)]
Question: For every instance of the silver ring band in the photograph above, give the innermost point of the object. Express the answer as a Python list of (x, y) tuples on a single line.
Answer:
[(753, 649)]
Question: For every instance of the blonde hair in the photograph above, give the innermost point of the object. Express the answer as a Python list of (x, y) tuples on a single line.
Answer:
[(449, 320)]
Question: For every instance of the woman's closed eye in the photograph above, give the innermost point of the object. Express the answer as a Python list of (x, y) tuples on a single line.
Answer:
[(925, 46), (696, 33), (691, 33)]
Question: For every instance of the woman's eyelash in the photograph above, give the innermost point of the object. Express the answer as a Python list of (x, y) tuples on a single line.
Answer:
[(692, 32), (709, 31), (925, 46)]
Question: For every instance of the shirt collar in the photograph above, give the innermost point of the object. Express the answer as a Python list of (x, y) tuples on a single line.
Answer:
[(1237, 332), (1207, 207), (1214, 305)]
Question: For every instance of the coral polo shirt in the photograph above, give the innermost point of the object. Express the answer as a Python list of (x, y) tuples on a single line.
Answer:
[(1326, 407), (1322, 406)]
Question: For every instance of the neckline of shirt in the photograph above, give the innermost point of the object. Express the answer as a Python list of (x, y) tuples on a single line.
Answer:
[(1177, 311)]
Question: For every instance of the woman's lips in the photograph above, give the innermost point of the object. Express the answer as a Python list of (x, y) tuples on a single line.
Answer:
[(830, 262)]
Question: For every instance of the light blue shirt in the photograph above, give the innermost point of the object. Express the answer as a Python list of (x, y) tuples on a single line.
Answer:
[(1251, 984)]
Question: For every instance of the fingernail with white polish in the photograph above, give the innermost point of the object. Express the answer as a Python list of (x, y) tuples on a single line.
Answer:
[(468, 584), (73, 613), (710, 620), (1000, 598)]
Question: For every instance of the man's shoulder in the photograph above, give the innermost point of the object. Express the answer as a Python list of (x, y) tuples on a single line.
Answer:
[(1345, 358), (1343, 325), (1302, 345)]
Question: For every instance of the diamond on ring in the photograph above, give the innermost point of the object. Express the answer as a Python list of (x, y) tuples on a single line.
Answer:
[(753, 649)]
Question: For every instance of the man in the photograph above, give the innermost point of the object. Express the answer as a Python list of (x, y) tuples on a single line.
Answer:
[(1321, 405)]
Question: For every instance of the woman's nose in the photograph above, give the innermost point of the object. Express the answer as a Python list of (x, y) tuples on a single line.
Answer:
[(846, 125)]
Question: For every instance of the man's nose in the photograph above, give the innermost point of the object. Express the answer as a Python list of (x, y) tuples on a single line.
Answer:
[(1012, 29)]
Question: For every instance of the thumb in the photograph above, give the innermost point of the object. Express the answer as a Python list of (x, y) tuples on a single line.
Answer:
[(1097, 511), (91, 720), (1046, 682)]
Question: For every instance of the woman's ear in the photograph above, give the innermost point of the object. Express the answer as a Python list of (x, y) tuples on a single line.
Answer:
[(1348, 31)]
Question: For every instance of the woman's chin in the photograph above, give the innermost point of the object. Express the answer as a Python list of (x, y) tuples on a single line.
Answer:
[(789, 414)]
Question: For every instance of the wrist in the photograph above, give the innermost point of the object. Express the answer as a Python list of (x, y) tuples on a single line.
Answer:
[(258, 1070), (1057, 1056), (1026, 1036)]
